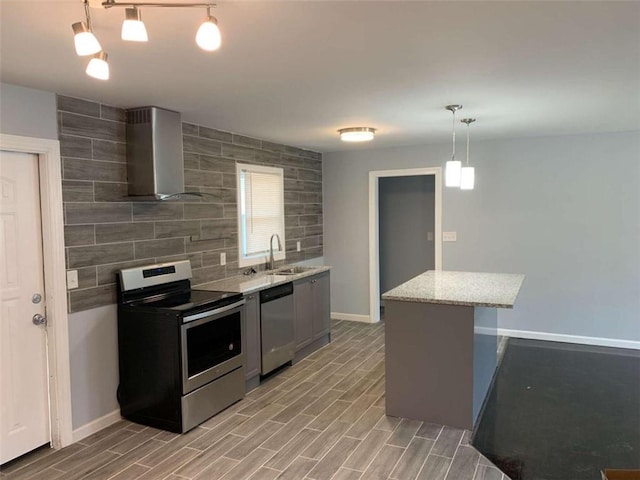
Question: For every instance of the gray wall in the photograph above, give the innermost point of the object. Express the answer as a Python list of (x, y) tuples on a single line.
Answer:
[(27, 112), (565, 211), (406, 216), (93, 353), (105, 231)]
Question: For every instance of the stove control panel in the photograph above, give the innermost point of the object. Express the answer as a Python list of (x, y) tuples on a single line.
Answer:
[(154, 272)]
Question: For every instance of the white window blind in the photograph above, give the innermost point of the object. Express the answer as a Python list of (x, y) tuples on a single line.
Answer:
[(261, 211)]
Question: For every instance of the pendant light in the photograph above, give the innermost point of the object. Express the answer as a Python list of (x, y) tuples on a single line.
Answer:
[(453, 167), (467, 173), (84, 40), (133, 29), (98, 66), (208, 36)]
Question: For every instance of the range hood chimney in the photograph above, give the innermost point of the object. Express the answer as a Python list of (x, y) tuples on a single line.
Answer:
[(154, 154)]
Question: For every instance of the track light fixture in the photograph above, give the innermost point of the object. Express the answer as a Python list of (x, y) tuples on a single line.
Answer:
[(208, 36)]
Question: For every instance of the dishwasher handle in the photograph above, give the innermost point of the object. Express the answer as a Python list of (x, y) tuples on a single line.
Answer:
[(276, 292)]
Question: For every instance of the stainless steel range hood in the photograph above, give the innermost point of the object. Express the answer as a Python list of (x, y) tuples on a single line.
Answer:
[(155, 166)]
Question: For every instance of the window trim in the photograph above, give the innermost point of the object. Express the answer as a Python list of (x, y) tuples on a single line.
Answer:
[(244, 261)]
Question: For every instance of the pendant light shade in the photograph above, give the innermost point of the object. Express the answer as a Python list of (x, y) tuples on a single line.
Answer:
[(467, 178), (98, 67), (208, 36), (133, 29), (84, 40), (357, 134), (467, 173), (452, 170), (452, 173)]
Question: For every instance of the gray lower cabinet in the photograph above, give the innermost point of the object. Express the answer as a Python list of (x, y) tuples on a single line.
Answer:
[(321, 305), (302, 313), (311, 309), (252, 335)]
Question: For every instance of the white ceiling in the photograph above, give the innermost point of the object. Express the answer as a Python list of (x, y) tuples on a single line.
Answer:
[(296, 71)]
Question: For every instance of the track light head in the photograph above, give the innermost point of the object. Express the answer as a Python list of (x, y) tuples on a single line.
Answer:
[(98, 66), (84, 40), (208, 36), (133, 29)]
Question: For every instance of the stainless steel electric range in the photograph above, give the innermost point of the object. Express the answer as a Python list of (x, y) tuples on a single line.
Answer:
[(180, 350)]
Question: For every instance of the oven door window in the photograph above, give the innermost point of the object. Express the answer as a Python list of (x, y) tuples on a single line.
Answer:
[(212, 343)]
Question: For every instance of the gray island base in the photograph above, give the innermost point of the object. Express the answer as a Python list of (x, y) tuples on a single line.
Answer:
[(441, 344)]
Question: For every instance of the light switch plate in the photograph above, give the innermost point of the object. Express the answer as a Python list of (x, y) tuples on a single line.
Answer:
[(429, 236), (72, 279), (297, 246), (223, 258), (449, 236)]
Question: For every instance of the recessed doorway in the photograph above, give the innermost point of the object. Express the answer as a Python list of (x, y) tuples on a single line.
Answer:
[(405, 225)]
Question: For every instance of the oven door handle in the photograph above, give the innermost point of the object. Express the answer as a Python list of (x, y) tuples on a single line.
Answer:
[(210, 313)]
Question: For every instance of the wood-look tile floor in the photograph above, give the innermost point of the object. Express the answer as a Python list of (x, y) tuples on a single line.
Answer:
[(321, 419)]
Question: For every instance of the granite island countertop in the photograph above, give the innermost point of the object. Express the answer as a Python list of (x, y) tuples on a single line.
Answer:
[(497, 290), (259, 281)]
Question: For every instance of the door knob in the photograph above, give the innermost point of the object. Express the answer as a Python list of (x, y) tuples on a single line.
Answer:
[(39, 319)]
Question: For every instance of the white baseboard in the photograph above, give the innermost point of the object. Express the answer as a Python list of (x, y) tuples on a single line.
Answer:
[(559, 337), (352, 317), (96, 425)]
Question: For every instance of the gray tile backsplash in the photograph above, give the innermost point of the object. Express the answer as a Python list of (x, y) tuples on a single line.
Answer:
[(98, 254), (83, 169), (123, 232), (105, 232), (75, 191), (159, 248), (85, 213), (75, 235)]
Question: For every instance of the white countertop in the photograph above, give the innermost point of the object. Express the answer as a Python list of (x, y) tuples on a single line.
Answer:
[(258, 281), (497, 290)]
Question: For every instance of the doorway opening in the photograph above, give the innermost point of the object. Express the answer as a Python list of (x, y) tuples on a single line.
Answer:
[(405, 228)]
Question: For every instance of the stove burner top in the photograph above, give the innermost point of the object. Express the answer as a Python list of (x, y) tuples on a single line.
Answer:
[(190, 299)]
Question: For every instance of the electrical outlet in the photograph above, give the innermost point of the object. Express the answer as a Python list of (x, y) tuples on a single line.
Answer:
[(429, 236), (297, 246), (72, 279), (223, 258), (449, 236)]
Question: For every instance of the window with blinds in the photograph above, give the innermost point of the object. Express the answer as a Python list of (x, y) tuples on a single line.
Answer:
[(260, 212)]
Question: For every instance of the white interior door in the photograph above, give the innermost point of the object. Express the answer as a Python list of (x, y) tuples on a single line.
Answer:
[(24, 399)]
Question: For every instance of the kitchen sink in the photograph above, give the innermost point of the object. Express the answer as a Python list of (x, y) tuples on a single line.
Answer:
[(293, 270)]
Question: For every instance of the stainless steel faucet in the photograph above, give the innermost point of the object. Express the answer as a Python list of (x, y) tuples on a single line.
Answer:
[(271, 266)]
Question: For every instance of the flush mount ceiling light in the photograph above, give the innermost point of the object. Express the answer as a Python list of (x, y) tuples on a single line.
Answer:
[(208, 36), (453, 167), (357, 134), (467, 173)]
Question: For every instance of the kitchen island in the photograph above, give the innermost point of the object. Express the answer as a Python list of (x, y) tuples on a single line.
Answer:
[(441, 344)]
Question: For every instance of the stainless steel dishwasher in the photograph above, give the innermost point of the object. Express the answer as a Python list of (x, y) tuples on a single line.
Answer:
[(276, 326)]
